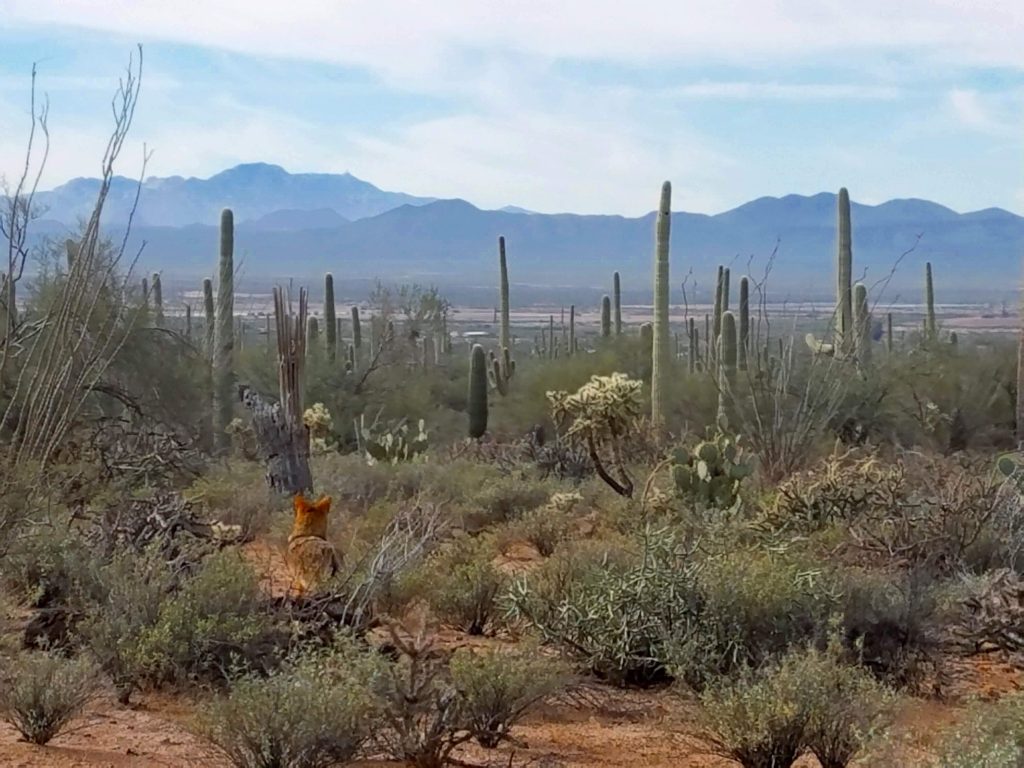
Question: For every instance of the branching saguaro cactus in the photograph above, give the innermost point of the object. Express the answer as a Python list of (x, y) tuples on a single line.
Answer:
[(744, 329), (477, 399), (224, 344), (862, 323), (606, 317), (158, 301), (930, 326), (282, 434), (617, 298), (330, 318), (210, 315), (501, 370), (661, 346), (845, 334)]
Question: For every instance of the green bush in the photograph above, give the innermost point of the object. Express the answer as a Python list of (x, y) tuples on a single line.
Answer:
[(808, 700), (311, 713), (544, 527), (498, 688), (47, 562), (237, 494), (40, 693), (465, 584), (216, 620), (505, 499), (991, 735)]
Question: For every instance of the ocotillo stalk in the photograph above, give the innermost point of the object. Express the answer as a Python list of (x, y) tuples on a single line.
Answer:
[(744, 329), (357, 332), (726, 369), (477, 401), (504, 335), (660, 366), (862, 323), (617, 298), (210, 315), (691, 362), (931, 327), (888, 332), (716, 315), (606, 317), (330, 318), (845, 333), (224, 343), (572, 330), (158, 301)]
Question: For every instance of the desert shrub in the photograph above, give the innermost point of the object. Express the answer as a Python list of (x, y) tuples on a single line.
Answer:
[(614, 617), (506, 499), (215, 620), (893, 622), (238, 495), (991, 735), (465, 584), (123, 608), (498, 688), (311, 713), (765, 718), (544, 527), (753, 606), (41, 693), (46, 563)]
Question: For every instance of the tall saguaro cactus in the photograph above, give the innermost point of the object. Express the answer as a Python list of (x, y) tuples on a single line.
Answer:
[(606, 317), (727, 363), (845, 332), (224, 341), (477, 401), (330, 318), (716, 315), (210, 314), (888, 332), (504, 334), (158, 301), (744, 330), (931, 327), (357, 331), (661, 349), (691, 360), (617, 298)]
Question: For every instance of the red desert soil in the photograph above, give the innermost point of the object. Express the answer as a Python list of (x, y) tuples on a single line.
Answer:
[(599, 728)]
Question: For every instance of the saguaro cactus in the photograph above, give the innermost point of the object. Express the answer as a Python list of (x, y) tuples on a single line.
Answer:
[(572, 330), (501, 371), (888, 332), (725, 289), (330, 318), (617, 298), (606, 317), (862, 323), (931, 327), (312, 334), (661, 349), (210, 315), (716, 314), (744, 329), (188, 322), (357, 333), (691, 361), (224, 342), (158, 301), (504, 334), (845, 334), (727, 361), (477, 404)]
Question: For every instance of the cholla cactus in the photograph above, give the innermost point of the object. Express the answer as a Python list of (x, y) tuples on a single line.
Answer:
[(712, 474), (599, 416)]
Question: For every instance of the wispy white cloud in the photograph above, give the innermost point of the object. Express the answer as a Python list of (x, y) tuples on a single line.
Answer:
[(973, 110), (786, 91)]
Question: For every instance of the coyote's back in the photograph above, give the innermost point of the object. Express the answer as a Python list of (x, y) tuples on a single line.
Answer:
[(311, 559)]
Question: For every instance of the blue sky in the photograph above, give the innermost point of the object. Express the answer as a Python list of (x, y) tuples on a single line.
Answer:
[(579, 105)]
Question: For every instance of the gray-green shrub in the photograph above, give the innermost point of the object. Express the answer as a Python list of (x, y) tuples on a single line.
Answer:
[(41, 693)]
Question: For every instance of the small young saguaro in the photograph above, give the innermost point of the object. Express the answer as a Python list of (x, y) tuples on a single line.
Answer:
[(662, 339), (862, 324), (617, 298), (744, 329), (158, 301), (224, 343), (210, 314), (357, 331), (606, 317), (930, 326), (477, 400)]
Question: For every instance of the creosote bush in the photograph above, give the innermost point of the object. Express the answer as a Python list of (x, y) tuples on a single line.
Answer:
[(465, 584), (41, 693)]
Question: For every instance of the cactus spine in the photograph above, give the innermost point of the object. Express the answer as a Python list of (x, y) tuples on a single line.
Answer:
[(617, 297), (845, 332), (224, 340), (477, 402), (158, 301), (606, 317), (862, 323), (931, 328), (330, 318), (744, 329), (210, 315), (661, 335)]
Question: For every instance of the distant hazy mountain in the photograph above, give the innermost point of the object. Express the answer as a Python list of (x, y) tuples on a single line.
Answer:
[(303, 225), (253, 190)]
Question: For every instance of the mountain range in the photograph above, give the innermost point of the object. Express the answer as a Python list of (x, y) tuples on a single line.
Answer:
[(301, 225)]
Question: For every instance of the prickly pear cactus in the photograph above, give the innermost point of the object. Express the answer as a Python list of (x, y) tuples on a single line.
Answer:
[(712, 473), (394, 444)]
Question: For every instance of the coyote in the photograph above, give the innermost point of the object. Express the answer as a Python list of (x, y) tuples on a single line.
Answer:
[(311, 558)]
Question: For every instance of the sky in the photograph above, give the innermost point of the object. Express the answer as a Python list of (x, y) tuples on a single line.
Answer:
[(551, 105)]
